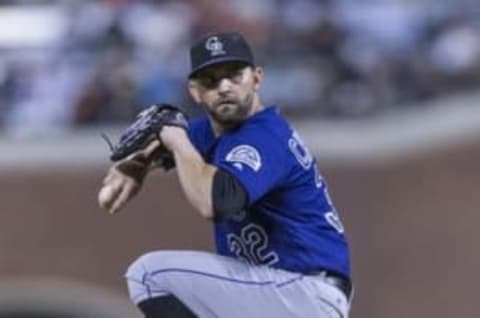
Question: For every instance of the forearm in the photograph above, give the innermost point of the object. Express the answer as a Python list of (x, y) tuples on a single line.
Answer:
[(196, 177)]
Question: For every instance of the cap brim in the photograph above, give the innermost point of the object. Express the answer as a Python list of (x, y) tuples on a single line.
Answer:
[(218, 61)]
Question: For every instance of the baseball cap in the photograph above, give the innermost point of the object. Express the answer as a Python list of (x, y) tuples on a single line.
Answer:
[(219, 48)]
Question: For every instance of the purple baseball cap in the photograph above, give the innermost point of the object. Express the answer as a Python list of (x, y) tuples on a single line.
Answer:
[(218, 48)]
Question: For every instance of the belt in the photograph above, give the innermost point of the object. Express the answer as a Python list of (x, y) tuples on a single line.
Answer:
[(334, 279)]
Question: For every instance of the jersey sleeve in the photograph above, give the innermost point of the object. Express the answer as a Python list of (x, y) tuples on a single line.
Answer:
[(194, 132), (258, 163), (200, 135)]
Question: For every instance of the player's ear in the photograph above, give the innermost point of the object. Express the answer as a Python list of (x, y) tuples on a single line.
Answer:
[(257, 76), (193, 90)]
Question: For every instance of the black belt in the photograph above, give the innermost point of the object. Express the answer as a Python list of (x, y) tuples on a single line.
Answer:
[(342, 283)]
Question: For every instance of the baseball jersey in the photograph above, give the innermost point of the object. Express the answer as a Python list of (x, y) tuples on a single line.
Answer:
[(290, 221)]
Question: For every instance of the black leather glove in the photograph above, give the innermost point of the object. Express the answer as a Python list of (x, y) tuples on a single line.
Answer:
[(145, 129)]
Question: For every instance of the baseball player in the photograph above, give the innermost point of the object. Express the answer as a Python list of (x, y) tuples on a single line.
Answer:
[(281, 249)]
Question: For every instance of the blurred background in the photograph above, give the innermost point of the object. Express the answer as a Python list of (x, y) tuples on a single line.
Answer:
[(386, 93)]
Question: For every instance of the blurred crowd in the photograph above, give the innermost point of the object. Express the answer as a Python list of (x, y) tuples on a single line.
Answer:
[(66, 64)]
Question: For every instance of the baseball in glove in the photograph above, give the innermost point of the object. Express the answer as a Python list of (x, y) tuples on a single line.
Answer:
[(144, 130)]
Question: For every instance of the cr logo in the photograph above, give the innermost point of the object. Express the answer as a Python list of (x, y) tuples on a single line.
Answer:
[(214, 45)]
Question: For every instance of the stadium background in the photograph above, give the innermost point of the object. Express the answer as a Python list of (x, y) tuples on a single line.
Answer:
[(385, 92)]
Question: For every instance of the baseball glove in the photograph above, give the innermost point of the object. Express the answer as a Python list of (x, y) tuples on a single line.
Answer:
[(145, 129)]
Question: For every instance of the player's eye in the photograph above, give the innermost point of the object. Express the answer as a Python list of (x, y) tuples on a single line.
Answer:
[(236, 76), (208, 81), (211, 81)]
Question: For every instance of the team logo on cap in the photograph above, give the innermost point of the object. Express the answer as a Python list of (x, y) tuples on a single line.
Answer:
[(215, 46)]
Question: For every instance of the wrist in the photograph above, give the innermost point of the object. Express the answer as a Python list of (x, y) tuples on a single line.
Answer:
[(174, 138)]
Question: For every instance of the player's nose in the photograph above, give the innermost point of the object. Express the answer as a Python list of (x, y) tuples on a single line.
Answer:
[(224, 85)]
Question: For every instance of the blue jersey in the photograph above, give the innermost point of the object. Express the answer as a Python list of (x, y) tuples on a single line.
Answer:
[(290, 222)]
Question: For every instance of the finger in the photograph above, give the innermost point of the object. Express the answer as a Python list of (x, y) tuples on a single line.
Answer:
[(152, 147), (107, 205), (114, 186), (112, 174), (107, 195), (120, 200), (108, 178), (128, 190)]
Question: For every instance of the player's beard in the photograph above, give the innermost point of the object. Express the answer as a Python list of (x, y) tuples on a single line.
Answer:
[(231, 112)]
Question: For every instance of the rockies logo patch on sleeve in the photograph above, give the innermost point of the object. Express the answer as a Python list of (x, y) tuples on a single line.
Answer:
[(245, 154)]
